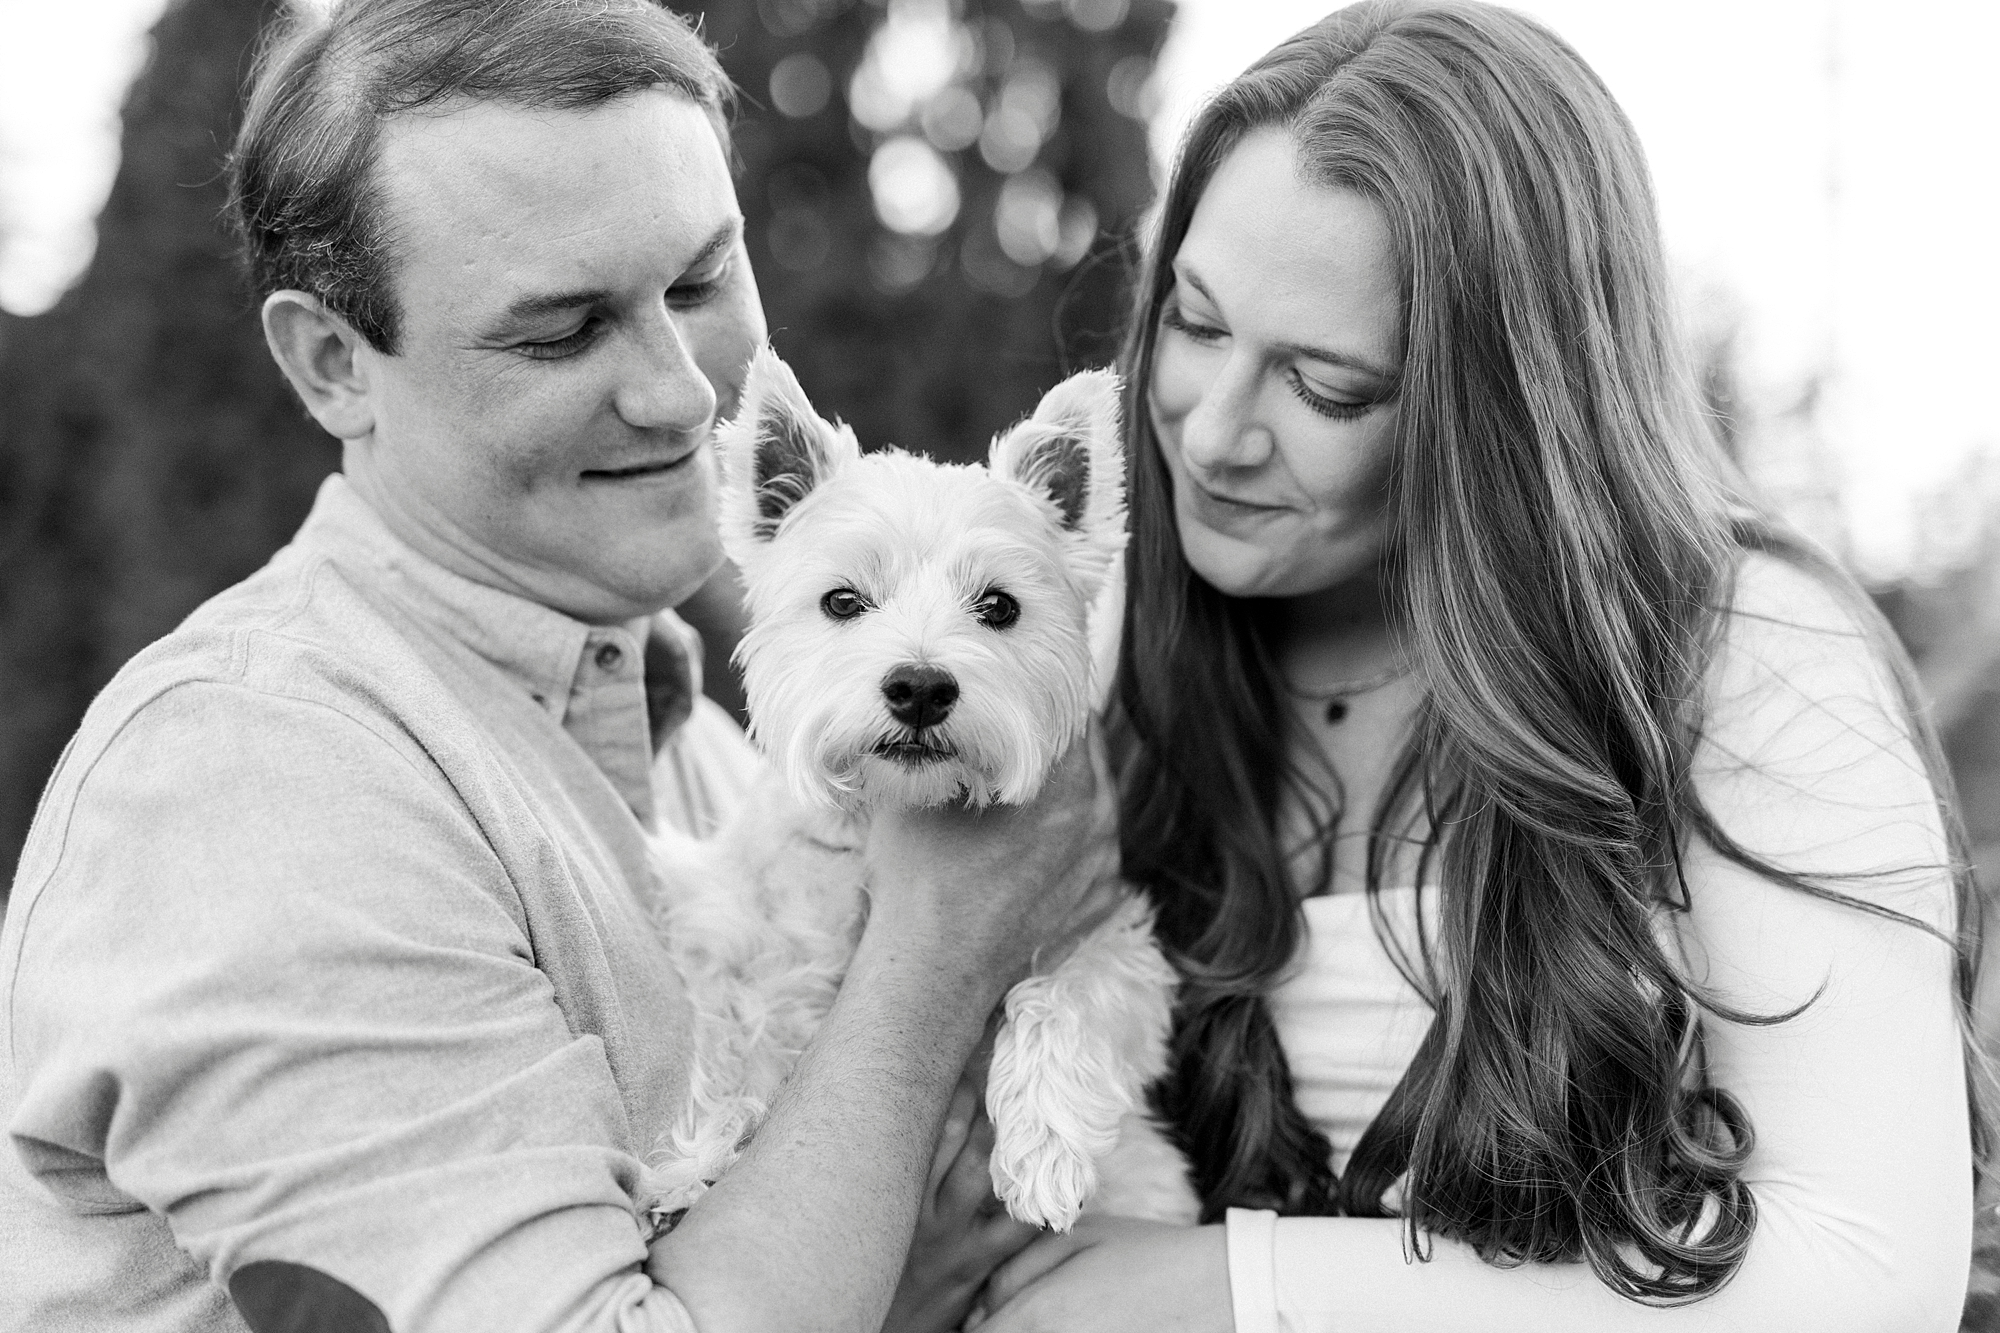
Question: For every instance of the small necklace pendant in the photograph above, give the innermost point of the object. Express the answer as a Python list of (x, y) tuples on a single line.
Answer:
[(1336, 698)]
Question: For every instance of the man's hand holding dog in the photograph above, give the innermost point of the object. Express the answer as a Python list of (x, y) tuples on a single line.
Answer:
[(977, 892)]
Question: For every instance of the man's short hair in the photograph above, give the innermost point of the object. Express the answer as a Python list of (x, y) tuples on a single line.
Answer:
[(303, 196)]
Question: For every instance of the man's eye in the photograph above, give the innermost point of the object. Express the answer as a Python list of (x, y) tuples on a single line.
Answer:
[(699, 291), (554, 349), (843, 604), (996, 609)]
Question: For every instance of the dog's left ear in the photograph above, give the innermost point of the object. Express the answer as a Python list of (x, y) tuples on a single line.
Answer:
[(1069, 453), (773, 453)]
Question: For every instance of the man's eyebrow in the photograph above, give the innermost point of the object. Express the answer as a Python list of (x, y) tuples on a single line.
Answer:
[(1307, 350), (555, 303), (725, 236)]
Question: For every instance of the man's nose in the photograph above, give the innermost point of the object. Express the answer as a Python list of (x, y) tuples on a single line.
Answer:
[(663, 388), (1225, 428)]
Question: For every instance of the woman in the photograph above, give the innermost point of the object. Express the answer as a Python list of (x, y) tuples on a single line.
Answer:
[(1574, 923)]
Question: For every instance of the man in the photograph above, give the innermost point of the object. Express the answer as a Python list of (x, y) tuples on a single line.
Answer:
[(331, 998)]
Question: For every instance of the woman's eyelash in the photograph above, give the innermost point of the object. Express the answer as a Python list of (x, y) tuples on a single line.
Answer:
[(1333, 408), (1173, 318)]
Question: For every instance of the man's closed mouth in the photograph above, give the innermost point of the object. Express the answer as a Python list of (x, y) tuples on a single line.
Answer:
[(633, 471)]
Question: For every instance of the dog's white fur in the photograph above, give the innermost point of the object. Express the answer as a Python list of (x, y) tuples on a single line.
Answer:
[(763, 919)]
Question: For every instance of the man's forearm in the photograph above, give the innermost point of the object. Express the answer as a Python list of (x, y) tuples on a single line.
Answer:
[(809, 1228)]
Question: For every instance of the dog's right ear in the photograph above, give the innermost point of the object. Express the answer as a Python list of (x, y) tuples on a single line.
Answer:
[(1069, 456), (774, 451)]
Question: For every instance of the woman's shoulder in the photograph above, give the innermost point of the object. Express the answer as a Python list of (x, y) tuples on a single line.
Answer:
[(1794, 638), (1789, 613), (1809, 753)]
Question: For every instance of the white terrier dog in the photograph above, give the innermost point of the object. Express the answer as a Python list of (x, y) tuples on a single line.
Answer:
[(919, 634)]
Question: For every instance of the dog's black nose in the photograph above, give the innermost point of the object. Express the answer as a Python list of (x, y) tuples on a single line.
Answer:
[(919, 696)]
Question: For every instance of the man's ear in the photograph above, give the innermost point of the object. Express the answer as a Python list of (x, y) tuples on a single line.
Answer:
[(1069, 453), (773, 453), (317, 351)]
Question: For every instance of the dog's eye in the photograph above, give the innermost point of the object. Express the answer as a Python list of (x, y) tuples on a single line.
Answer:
[(843, 604), (997, 609)]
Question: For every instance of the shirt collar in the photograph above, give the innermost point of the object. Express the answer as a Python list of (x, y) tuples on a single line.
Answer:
[(537, 647)]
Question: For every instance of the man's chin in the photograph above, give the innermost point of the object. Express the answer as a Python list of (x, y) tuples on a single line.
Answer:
[(613, 593)]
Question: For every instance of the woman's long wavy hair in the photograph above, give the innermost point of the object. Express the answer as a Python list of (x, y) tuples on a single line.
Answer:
[(1567, 535)]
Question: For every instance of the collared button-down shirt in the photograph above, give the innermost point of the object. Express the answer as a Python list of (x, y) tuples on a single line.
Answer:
[(328, 974)]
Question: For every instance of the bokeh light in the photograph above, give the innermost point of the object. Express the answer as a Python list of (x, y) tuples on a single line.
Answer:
[(898, 263), (1028, 217), (952, 120), (911, 57), (1023, 117), (1096, 15), (932, 84), (1077, 228), (1131, 88), (801, 85), (914, 189), (793, 18)]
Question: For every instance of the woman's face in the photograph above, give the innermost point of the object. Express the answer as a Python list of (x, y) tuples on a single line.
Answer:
[(1274, 380)]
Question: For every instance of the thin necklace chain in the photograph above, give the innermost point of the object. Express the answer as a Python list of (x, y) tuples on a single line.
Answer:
[(1347, 689)]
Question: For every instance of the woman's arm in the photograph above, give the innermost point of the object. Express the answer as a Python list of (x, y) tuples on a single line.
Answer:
[(1862, 1166)]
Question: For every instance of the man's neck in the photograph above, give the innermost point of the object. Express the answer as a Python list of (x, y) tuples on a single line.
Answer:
[(437, 539)]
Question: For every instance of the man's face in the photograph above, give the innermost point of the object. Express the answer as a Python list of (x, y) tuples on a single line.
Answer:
[(577, 307)]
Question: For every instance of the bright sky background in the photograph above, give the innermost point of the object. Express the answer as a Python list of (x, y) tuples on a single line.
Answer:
[(1832, 169)]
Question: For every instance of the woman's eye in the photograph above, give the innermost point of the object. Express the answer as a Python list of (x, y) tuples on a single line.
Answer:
[(1177, 319), (554, 349), (1338, 409), (996, 609), (843, 604)]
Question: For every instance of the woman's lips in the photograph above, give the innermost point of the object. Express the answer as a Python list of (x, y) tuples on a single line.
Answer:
[(1226, 510)]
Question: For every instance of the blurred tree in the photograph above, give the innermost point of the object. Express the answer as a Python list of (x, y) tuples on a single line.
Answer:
[(936, 194)]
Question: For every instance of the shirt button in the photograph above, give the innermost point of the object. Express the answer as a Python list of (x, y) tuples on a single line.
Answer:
[(609, 656)]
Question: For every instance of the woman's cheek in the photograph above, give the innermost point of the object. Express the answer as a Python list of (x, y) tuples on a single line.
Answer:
[(1345, 472), (1177, 383)]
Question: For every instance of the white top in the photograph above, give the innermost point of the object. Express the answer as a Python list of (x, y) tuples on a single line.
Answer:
[(1862, 1167), (1349, 1020)]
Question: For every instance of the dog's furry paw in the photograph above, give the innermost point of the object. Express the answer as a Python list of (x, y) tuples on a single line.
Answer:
[(673, 1187), (1041, 1177)]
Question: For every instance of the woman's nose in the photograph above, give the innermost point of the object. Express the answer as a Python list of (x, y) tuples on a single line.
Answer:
[(663, 388), (1222, 429)]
